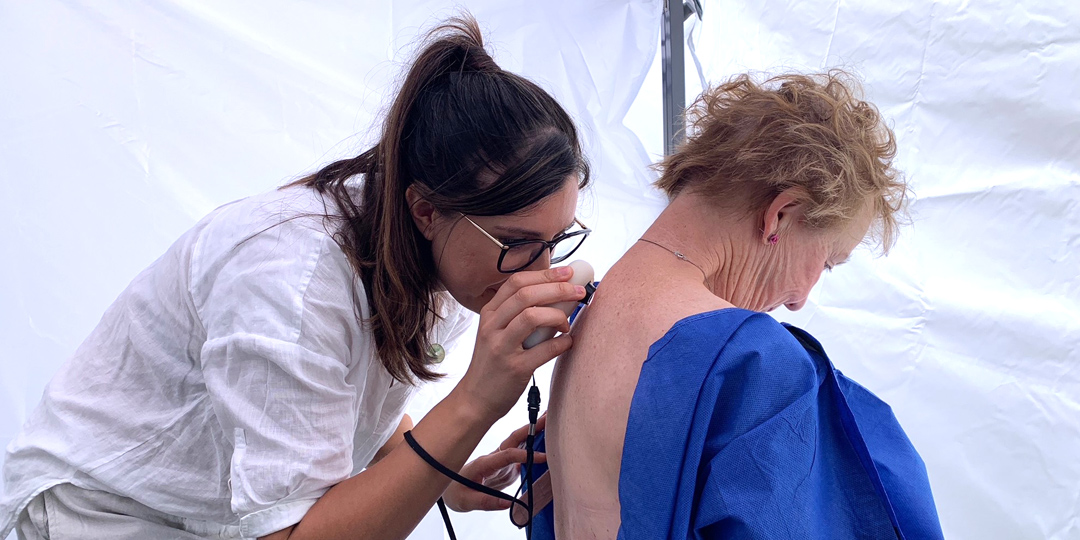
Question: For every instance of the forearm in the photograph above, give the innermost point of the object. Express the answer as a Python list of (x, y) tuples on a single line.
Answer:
[(390, 498), (395, 439)]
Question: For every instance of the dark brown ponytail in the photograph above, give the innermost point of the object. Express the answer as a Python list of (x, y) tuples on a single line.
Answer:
[(470, 138)]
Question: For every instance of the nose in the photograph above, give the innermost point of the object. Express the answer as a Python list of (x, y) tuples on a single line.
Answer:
[(543, 262), (796, 306)]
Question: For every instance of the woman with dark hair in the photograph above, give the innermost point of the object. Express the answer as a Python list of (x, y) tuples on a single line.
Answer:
[(252, 381)]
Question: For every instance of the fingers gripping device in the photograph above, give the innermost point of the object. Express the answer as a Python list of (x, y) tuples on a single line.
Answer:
[(583, 276)]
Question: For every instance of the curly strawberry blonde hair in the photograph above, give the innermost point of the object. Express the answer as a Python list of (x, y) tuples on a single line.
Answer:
[(749, 141)]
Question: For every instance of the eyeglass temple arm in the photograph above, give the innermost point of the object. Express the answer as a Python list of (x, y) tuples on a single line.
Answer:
[(501, 245)]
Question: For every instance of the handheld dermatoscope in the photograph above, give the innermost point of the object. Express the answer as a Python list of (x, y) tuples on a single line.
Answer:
[(583, 276)]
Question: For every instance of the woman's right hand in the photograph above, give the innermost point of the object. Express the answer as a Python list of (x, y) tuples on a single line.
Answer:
[(500, 367)]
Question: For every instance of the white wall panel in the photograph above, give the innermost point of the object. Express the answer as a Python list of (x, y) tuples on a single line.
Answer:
[(121, 124)]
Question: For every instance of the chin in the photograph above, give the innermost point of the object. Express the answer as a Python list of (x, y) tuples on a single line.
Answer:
[(472, 304), (772, 308), (475, 303)]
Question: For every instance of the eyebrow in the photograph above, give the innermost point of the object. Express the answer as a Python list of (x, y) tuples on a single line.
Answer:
[(517, 231), (526, 233)]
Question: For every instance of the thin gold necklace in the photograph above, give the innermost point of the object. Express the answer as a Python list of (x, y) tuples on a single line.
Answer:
[(679, 255)]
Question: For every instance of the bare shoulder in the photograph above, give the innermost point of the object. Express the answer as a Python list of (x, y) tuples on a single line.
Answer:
[(613, 335), (650, 308)]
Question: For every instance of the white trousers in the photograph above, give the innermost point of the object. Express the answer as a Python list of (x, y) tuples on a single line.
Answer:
[(67, 512)]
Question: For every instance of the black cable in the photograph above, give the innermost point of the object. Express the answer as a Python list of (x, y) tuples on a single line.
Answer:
[(467, 483), (526, 485), (446, 519), (534, 411), (455, 476)]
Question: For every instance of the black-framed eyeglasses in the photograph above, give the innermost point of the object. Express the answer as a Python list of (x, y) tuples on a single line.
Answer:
[(520, 254)]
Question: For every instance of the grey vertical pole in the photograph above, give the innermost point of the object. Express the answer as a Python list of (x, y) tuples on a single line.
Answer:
[(672, 45), (673, 73)]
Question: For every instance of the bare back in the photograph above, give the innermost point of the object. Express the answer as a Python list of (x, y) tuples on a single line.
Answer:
[(593, 384)]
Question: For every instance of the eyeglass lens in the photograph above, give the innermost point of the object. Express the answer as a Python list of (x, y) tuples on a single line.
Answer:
[(520, 256)]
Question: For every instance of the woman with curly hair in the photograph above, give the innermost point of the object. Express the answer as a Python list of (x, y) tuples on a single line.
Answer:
[(684, 411)]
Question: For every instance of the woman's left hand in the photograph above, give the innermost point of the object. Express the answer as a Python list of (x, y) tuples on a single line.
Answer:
[(495, 470)]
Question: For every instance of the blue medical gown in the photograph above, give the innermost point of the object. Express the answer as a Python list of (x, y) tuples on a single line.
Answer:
[(741, 428)]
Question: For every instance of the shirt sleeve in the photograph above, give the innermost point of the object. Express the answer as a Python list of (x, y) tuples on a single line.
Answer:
[(280, 316)]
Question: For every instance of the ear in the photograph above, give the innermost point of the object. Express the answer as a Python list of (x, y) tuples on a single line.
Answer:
[(423, 212), (785, 210)]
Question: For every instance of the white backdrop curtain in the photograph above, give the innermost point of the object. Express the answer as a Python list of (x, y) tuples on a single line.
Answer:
[(121, 124)]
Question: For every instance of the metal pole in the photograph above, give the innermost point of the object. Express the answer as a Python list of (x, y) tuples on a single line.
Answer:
[(673, 73)]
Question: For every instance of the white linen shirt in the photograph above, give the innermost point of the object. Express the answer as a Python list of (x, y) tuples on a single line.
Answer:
[(230, 384)]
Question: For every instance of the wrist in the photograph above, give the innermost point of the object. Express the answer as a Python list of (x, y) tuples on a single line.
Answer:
[(469, 412)]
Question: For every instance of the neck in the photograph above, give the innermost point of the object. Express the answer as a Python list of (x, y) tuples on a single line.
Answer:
[(720, 244)]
